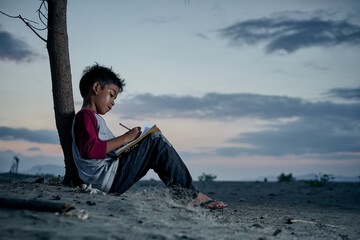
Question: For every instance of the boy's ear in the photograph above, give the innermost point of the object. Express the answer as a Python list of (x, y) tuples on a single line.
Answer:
[(96, 88)]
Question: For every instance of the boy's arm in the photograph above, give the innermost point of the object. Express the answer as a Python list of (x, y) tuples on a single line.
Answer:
[(117, 142), (86, 136)]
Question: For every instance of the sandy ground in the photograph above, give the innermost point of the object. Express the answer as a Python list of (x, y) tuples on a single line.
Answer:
[(257, 210)]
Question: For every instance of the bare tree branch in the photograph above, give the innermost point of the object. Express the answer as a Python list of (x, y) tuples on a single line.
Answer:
[(41, 14), (27, 23)]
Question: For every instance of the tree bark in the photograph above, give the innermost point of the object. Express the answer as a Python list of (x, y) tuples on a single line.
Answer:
[(57, 45)]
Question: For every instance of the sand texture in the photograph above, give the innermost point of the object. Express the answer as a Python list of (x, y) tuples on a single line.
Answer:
[(257, 210)]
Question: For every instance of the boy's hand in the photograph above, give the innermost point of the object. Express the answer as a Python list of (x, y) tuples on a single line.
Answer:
[(132, 134), (119, 141)]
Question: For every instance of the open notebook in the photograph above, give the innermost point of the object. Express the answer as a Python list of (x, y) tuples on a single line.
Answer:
[(147, 129)]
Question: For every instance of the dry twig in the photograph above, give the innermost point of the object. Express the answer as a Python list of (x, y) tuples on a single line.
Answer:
[(35, 205), (29, 23)]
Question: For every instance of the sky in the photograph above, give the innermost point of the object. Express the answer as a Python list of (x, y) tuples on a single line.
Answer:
[(242, 89)]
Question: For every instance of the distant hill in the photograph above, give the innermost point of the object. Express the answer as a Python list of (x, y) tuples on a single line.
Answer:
[(46, 169), (312, 176)]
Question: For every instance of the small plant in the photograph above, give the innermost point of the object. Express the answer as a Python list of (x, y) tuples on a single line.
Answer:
[(321, 180), (207, 177), (285, 178)]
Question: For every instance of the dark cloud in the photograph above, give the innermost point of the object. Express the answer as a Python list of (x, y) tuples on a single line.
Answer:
[(231, 106), (315, 127), (345, 93), (34, 149), (202, 36), (39, 136), (303, 136), (14, 49), (283, 33)]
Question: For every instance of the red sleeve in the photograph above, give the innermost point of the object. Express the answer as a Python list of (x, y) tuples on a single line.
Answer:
[(86, 136)]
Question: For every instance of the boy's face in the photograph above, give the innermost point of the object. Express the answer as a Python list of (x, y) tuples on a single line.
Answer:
[(104, 99)]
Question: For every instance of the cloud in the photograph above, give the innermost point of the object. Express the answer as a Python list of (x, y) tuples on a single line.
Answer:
[(38, 136), (316, 66), (304, 136), (33, 149), (345, 93), (284, 33), (309, 127), (231, 106), (202, 36), (14, 49)]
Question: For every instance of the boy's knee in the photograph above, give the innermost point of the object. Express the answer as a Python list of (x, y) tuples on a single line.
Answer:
[(159, 135)]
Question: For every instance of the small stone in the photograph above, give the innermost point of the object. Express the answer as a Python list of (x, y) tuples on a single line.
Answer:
[(40, 180), (277, 231), (257, 225), (56, 198), (90, 203)]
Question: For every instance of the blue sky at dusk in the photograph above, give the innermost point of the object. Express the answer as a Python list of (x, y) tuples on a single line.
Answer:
[(242, 89)]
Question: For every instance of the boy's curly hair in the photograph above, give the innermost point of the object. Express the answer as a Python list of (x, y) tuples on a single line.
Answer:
[(101, 74)]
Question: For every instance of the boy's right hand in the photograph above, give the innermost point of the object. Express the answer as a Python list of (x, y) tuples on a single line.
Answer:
[(133, 134), (119, 141)]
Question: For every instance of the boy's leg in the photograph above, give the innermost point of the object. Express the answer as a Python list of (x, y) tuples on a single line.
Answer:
[(153, 152)]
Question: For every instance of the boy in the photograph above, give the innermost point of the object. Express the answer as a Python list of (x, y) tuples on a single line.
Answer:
[(94, 145)]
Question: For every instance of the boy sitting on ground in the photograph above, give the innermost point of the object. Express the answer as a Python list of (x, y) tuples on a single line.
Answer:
[(94, 145)]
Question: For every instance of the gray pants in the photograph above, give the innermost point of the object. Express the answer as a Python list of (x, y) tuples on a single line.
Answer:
[(153, 152)]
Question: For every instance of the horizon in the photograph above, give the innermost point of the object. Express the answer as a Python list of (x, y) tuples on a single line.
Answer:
[(151, 175)]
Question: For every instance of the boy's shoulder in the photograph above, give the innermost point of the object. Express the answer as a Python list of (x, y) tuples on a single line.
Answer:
[(85, 115), (85, 112)]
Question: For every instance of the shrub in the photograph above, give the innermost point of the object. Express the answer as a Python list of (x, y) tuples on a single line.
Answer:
[(285, 178), (206, 177), (321, 180)]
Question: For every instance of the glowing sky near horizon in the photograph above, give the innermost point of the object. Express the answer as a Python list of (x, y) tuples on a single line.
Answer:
[(242, 89)]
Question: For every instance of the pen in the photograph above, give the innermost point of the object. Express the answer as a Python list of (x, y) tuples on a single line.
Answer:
[(124, 126)]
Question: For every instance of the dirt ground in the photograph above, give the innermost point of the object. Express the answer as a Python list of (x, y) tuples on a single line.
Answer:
[(257, 210)]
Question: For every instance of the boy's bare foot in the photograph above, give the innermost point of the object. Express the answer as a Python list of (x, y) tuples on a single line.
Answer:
[(206, 202)]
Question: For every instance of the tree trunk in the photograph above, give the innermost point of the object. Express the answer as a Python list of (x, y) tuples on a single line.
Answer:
[(57, 45)]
